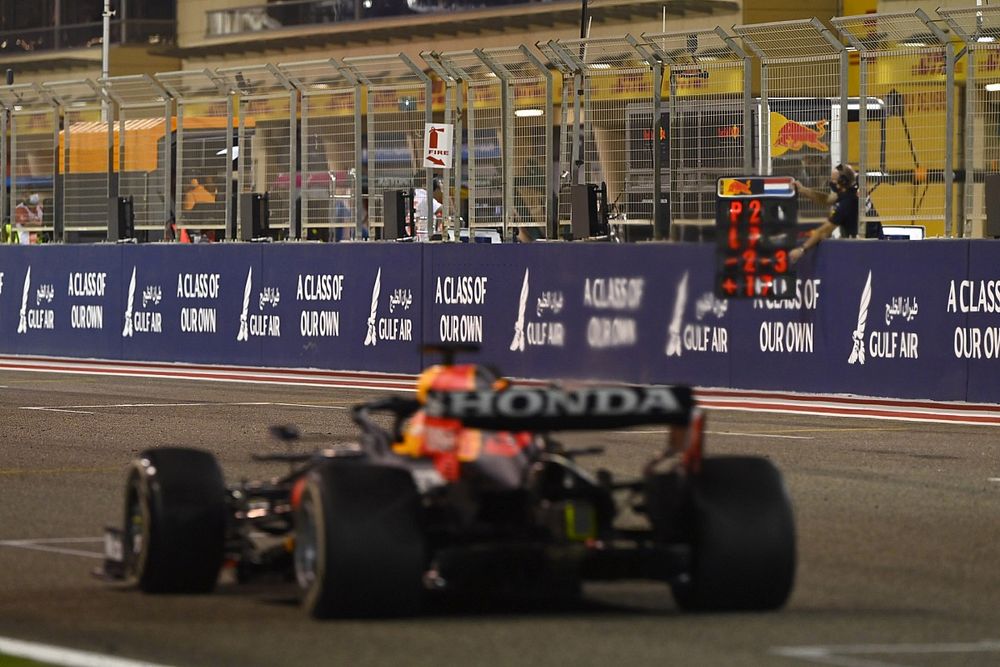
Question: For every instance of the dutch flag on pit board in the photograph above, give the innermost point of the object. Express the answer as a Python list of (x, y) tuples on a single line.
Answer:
[(778, 186)]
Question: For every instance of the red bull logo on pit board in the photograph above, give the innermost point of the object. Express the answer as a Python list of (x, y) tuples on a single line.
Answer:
[(732, 187)]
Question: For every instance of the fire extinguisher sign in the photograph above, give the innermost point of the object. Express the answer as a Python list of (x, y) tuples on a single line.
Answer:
[(438, 145)]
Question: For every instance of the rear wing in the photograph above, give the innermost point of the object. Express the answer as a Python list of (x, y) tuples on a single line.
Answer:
[(556, 409)]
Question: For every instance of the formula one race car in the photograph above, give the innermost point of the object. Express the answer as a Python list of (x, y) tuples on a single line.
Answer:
[(467, 493)]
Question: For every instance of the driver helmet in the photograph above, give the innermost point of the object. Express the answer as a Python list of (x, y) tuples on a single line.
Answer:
[(459, 377)]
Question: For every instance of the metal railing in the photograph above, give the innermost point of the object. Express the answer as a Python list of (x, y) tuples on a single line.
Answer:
[(657, 118), (979, 29), (85, 172), (398, 107), (330, 185), (803, 102), (267, 107), (33, 122), (144, 113), (708, 127), (906, 75), (203, 174), (620, 91), (509, 114)]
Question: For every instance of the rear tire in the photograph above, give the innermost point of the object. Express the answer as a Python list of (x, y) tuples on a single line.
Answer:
[(742, 533), (359, 545), (175, 521)]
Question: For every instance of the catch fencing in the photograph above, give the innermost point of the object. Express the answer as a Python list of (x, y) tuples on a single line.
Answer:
[(86, 143), (330, 116), (906, 75), (657, 119), (979, 30), (709, 125), (508, 113), (803, 101), (266, 104), (31, 145), (399, 105), (144, 111), (203, 189), (620, 90)]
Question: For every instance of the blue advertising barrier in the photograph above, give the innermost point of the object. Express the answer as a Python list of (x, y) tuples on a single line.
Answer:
[(61, 300), (867, 319), (907, 319), (579, 310), (970, 320)]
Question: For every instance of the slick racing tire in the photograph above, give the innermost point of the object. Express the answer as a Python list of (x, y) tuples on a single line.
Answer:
[(359, 545), (175, 521), (742, 534)]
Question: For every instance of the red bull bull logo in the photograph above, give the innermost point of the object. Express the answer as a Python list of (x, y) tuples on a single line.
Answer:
[(733, 187), (789, 135)]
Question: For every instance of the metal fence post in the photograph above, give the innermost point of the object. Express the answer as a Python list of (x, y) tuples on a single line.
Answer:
[(3, 167), (450, 103), (33, 125), (266, 98), (86, 178), (949, 150), (141, 104), (802, 102), (331, 201), (204, 152), (231, 224), (661, 222), (747, 59), (708, 119), (620, 137), (979, 28), (910, 85)]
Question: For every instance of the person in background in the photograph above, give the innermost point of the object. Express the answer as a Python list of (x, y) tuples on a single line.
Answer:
[(420, 210), (843, 202), (529, 202), (28, 216), (198, 194)]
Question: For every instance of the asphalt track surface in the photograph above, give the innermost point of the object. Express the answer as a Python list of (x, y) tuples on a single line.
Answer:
[(898, 535)]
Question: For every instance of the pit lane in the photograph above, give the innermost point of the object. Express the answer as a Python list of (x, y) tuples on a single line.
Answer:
[(898, 530)]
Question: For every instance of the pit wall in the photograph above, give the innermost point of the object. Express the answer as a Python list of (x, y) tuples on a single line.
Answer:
[(897, 319)]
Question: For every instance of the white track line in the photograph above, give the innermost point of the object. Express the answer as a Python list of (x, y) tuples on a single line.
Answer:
[(832, 402), (44, 545), (309, 405), (263, 375), (54, 540), (761, 435), (57, 550), (783, 402), (81, 409), (64, 657), (885, 414), (848, 655), (732, 433)]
